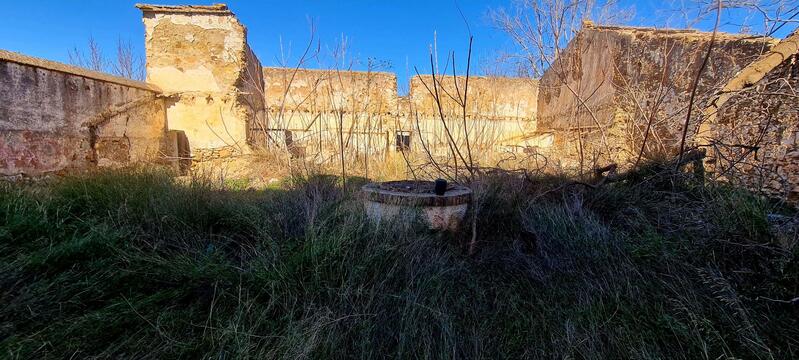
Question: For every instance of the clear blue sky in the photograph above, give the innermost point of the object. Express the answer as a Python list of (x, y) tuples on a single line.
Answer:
[(391, 31)]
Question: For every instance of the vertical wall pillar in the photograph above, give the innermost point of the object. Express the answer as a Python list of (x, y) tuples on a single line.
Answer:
[(199, 57)]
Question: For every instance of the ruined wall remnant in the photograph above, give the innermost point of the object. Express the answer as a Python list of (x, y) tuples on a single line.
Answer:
[(55, 117), (207, 96), (329, 90), (494, 98), (309, 107), (752, 124), (199, 57), (612, 90), (612, 83), (305, 109), (499, 111)]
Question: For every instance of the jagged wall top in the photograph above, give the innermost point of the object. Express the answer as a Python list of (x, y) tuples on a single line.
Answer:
[(194, 48), (663, 33)]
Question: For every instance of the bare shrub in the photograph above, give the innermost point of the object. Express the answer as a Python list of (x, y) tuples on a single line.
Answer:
[(542, 28), (125, 62)]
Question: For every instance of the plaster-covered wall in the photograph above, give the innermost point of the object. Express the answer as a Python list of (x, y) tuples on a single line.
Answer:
[(493, 98), (306, 108), (499, 111), (209, 89), (313, 104), (330, 90), (199, 57), (55, 117)]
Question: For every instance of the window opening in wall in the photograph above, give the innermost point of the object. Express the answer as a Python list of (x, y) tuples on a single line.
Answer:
[(403, 140), (288, 138)]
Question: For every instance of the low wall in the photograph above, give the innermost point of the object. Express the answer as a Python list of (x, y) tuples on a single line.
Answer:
[(55, 117)]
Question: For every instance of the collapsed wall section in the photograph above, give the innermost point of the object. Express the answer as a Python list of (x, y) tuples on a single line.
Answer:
[(56, 118), (613, 87), (199, 57)]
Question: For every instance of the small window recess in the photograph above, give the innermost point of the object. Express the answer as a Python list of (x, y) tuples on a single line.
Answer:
[(403, 140)]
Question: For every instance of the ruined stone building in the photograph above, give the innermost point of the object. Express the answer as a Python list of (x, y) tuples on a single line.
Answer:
[(614, 87), (208, 96), (613, 95), (619, 94)]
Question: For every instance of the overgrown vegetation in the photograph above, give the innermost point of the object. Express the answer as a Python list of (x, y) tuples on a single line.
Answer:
[(137, 264)]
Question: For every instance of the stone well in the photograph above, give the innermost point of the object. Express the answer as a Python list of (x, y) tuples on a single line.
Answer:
[(409, 199)]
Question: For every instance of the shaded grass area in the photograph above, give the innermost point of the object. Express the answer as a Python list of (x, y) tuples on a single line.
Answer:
[(133, 264)]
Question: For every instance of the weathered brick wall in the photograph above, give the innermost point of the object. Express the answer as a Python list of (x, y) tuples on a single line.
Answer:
[(56, 118)]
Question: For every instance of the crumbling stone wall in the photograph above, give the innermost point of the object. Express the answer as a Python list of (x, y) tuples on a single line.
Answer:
[(309, 106), (56, 118), (494, 98), (312, 90), (608, 91), (305, 109), (500, 111), (213, 90), (751, 126), (611, 84), (199, 57)]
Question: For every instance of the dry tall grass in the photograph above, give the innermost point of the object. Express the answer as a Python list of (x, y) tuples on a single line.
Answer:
[(137, 264)]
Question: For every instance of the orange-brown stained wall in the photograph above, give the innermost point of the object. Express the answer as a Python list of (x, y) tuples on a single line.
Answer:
[(199, 57)]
